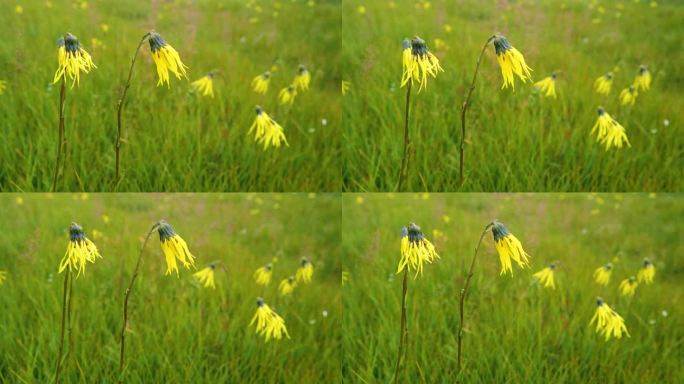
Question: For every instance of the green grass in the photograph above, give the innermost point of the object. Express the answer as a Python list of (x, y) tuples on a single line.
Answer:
[(178, 332), (515, 141), (515, 331), (173, 140)]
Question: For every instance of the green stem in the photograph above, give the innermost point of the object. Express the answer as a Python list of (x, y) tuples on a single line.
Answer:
[(402, 170), (61, 337), (403, 336), (60, 141)]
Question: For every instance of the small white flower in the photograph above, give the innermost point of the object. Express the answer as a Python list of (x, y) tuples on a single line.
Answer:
[(325, 313), (324, 122), (666, 122), (651, 321), (664, 313)]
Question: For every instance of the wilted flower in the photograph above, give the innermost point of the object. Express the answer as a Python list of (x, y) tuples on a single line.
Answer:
[(268, 323), (166, 58), (79, 251), (509, 248), (72, 60), (511, 62), (415, 250), (174, 248), (266, 130), (603, 83), (305, 271), (602, 274)]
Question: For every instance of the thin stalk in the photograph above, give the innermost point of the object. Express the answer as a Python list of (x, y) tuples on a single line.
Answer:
[(465, 290), (61, 337), (403, 337), (125, 308), (402, 170), (120, 105), (60, 141), (69, 305), (466, 103)]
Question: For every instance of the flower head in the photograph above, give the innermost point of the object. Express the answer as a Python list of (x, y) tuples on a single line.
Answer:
[(79, 251), (206, 276), (166, 58), (602, 84), (608, 131), (415, 250), (267, 131), (302, 79), (547, 86), (72, 60), (509, 248), (305, 271), (647, 272), (628, 286), (174, 248), (260, 83), (3, 86), (205, 85), (3, 277), (545, 276), (643, 80), (418, 62), (268, 323), (287, 286), (602, 274), (608, 322), (511, 62), (263, 274), (628, 95), (287, 95)]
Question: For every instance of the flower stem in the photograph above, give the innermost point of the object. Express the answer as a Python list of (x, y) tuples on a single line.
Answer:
[(465, 290), (61, 337), (403, 336), (60, 143), (120, 105), (402, 170), (125, 308), (466, 103)]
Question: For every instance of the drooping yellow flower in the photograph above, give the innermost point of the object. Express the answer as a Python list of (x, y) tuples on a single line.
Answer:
[(608, 131), (647, 272), (628, 286), (345, 86), (267, 131), (302, 79), (602, 84), (305, 271), (287, 286), (287, 95), (3, 86), (511, 61), (545, 276), (608, 322), (263, 274), (205, 85), (268, 323), (3, 277), (72, 60), (174, 248), (643, 80), (79, 251), (415, 250), (260, 83), (166, 58), (345, 277), (509, 248), (602, 274), (418, 62), (206, 276), (628, 95), (547, 87)]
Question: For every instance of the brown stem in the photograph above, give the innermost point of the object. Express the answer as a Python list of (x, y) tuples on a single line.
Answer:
[(60, 142), (71, 298), (466, 103), (61, 337), (403, 337), (125, 308), (402, 170), (465, 290), (120, 105)]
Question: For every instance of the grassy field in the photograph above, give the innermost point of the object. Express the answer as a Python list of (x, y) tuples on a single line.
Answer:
[(173, 139), (178, 331), (516, 140), (515, 330)]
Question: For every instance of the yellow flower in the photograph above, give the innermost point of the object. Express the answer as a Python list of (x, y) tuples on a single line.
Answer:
[(72, 60), (166, 58), (643, 80), (418, 62), (511, 62), (263, 274), (305, 271), (547, 87), (345, 277), (287, 286), (608, 131), (205, 85), (628, 95), (287, 95), (268, 323), (19, 200), (174, 247), (3, 277), (608, 322), (602, 274), (415, 250), (302, 79), (206, 276), (509, 248), (628, 286), (647, 272), (19, 9), (104, 27), (267, 131), (260, 83), (362, 10), (345, 86), (79, 251), (3, 86), (602, 84), (545, 276)]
